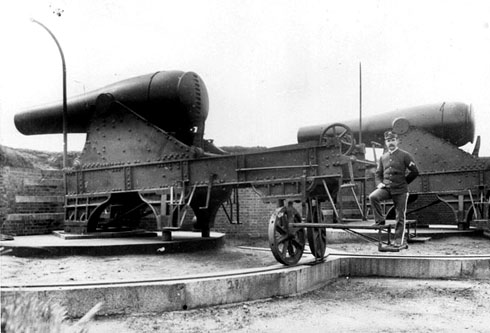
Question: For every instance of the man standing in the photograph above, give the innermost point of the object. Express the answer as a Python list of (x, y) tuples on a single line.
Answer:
[(392, 181)]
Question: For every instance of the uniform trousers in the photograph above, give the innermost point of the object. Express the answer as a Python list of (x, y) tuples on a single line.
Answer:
[(400, 204)]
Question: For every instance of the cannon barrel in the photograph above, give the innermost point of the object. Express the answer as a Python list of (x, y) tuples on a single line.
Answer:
[(453, 122), (174, 101)]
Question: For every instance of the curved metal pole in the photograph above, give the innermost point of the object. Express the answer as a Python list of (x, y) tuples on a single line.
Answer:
[(65, 112)]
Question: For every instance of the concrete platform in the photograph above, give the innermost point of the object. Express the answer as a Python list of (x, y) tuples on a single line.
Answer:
[(139, 243), (220, 287), (245, 285)]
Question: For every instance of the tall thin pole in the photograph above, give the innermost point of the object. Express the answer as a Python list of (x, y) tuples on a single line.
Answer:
[(65, 112), (364, 203), (360, 103)]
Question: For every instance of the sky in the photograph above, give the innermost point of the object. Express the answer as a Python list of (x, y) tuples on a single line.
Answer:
[(270, 66)]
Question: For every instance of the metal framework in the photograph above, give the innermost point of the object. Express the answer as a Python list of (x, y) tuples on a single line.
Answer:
[(145, 157)]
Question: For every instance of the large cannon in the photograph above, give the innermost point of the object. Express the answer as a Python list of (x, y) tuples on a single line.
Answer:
[(453, 122), (145, 156), (453, 187), (175, 101)]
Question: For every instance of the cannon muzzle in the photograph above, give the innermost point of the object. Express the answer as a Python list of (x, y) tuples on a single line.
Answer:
[(453, 122), (174, 101)]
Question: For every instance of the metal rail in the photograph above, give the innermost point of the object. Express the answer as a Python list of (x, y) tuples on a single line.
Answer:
[(277, 267), (278, 167)]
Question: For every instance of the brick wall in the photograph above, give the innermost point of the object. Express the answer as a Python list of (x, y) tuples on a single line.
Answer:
[(254, 217), (255, 214), (3, 197), (31, 200)]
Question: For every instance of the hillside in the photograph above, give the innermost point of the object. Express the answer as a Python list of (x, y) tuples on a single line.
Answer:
[(27, 158)]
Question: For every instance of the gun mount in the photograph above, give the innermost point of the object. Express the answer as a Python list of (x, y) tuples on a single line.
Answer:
[(453, 186), (145, 155)]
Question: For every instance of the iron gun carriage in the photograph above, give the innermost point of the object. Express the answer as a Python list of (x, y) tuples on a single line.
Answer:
[(145, 155), (453, 186)]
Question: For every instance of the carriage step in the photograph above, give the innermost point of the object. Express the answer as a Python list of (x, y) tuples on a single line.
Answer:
[(418, 239), (392, 248)]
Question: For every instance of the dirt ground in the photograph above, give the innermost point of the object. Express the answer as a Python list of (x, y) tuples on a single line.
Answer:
[(344, 305)]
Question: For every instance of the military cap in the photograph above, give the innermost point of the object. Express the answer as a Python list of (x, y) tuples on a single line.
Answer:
[(390, 135)]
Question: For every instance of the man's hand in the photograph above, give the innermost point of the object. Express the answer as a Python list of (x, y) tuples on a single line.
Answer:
[(381, 185)]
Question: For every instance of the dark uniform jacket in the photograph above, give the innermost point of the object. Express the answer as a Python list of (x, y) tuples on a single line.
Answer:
[(392, 171)]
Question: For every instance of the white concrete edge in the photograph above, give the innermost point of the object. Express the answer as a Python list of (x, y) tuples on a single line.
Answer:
[(210, 291)]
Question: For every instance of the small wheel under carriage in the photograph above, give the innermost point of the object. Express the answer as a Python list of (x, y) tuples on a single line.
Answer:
[(287, 243), (287, 239), (317, 237)]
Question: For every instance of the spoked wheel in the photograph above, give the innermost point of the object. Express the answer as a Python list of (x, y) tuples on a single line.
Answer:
[(287, 243), (317, 237), (338, 135)]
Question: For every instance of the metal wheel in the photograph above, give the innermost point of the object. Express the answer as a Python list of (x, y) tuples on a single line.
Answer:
[(287, 243), (317, 237), (338, 135)]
